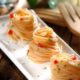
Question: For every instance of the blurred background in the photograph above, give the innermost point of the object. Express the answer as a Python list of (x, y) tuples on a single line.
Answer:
[(7, 5), (48, 11)]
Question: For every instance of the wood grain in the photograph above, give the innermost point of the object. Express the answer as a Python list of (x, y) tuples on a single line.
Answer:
[(7, 69), (71, 17), (51, 16)]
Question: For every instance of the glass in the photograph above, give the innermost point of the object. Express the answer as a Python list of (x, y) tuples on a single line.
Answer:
[(54, 3), (7, 1), (32, 3)]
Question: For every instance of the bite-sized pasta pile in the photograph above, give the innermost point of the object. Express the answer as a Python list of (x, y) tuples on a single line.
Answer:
[(65, 67), (43, 45), (22, 25)]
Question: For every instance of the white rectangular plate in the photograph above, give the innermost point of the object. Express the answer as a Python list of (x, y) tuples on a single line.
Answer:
[(17, 52)]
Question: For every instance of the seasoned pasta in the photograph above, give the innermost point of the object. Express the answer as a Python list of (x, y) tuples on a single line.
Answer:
[(22, 24), (65, 67), (43, 45)]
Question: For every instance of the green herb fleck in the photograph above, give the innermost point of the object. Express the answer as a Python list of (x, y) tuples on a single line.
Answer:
[(50, 39), (79, 64)]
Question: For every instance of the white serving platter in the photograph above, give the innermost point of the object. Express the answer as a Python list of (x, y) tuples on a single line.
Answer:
[(17, 53)]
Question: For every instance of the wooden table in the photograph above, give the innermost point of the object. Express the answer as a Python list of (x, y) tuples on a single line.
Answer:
[(9, 72)]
